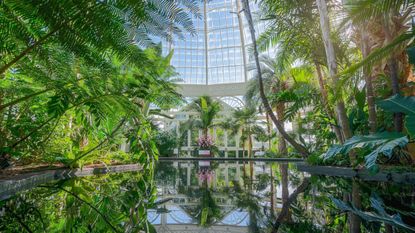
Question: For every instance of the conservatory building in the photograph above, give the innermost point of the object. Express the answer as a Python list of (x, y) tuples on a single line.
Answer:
[(214, 62)]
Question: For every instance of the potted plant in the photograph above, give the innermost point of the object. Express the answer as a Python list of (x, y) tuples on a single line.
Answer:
[(205, 144)]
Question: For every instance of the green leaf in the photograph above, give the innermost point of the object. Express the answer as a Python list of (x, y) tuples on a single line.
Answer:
[(411, 55), (204, 216), (398, 103), (379, 216), (410, 125), (380, 143), (385, 149), (360, 97), (332, 151), (403, 104)]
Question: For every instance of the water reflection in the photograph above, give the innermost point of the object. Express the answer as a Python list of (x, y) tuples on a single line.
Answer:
[(260, 197), (107, 203), (237, 197), (210, 197)]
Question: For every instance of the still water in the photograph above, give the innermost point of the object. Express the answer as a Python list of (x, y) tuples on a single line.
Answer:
[(210, 197)]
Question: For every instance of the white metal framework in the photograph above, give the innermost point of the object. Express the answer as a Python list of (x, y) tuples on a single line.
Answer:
[(217, 54)]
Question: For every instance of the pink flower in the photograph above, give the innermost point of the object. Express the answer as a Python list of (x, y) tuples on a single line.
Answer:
[(205, 142), (206, 175)]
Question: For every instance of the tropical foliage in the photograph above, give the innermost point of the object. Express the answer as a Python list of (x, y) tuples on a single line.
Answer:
[(77, 79), (206, 109), (331, 63), (83, 205), (371, 146)]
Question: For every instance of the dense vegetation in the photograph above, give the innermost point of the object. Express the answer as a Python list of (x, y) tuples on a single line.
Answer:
[(72, 93), (344, 73), (367, 55), (77, 78)]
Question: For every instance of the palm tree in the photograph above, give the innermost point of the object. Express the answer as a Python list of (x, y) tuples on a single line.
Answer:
[(207, 109), (162, 94), (282, 81), (276, 84), (302, 41), (341, 110), (246, 120), (332, 65), (301, 149), (385, 38)]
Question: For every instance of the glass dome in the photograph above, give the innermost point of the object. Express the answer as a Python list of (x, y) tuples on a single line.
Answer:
[(218, 53)]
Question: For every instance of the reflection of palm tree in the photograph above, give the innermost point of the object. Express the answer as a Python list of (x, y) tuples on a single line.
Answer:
[(272, 195), (207, 212), (246, 120), (284, 187)]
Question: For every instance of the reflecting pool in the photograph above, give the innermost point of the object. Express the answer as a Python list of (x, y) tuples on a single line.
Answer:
[(211, 196)]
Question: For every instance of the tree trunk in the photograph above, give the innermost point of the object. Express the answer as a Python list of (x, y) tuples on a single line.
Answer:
[(284, 187), (2, 141), (325, 100), (2, 135), (282, 149), (272, 199), (356, 200), (393, 69), (301, 149), (269, 132), (249, 146), (332, 65), (368, 79), (282, 145), (205, 133), (393, 72), (243, 149), (341, 110), (243, 156), (251, 163)]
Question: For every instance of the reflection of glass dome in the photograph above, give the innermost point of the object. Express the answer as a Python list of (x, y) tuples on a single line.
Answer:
[(218, 53)]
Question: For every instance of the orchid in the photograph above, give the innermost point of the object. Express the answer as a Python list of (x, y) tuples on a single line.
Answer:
[(205, 142)]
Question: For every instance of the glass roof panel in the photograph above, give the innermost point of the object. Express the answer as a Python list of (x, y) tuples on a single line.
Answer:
[(216, 54)]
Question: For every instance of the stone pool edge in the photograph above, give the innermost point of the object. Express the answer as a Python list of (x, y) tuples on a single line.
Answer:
[(14, 184), (362, 174)]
